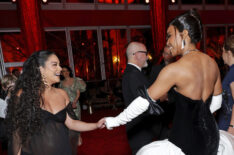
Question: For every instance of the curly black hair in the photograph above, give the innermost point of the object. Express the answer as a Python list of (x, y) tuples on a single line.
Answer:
[(24, 105)]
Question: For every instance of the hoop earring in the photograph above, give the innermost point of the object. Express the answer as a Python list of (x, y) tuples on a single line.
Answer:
[(183, 44), (44, 80)]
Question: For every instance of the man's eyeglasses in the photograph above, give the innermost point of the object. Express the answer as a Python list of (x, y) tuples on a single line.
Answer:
[(146, 52)]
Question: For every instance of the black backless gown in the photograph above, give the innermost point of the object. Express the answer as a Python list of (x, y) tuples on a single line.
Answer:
[(194, 128), (53, 137)]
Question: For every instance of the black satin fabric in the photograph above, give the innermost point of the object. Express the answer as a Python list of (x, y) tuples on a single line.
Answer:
[(53, 138), (194, 128), (154, 107)]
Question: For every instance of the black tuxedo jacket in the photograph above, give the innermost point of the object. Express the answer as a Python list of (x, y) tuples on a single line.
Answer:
[(140, 130), (155, 70), (132, 79)]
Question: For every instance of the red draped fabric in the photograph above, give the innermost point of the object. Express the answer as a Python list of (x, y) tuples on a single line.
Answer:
[(31, 25), (158, 25)]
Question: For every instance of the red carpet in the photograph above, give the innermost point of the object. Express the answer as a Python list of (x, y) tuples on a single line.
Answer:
[(103, 142)]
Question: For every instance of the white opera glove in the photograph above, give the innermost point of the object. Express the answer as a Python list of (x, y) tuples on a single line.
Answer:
[(136, 107), (215, 103)]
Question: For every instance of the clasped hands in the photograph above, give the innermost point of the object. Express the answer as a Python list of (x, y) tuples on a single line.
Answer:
[(102, 123), (138, 106)]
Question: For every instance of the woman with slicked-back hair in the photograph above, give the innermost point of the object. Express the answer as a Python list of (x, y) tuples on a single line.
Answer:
[(196, 91), (39, 115)]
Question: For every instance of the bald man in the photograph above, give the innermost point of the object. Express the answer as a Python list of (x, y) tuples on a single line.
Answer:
[(141, 130)]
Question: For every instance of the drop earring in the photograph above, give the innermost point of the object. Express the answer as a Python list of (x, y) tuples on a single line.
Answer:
[(183, 44), (44, 80)]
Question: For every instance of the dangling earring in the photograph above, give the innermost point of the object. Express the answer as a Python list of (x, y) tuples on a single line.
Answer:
[(44, 80), (183, 44)]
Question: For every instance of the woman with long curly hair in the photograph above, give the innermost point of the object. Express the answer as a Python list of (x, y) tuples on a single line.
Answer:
[(39, 115)]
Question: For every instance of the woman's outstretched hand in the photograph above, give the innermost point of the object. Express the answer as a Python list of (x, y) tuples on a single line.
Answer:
[(101, 123)]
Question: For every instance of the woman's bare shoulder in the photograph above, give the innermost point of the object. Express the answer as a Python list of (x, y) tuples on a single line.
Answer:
[(59, 90), (173, 71), (211, 63), (174, 67), (62, 93)]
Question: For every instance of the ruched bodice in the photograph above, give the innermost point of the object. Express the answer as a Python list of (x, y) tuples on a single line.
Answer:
[(53, 137), (194, 128)]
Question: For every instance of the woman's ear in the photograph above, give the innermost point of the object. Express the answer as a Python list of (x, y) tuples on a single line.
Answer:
[(230, 53), (41, 69), (184, 34)]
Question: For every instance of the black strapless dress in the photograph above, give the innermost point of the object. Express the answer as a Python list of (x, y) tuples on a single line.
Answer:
[(194, 128), (53, 137)]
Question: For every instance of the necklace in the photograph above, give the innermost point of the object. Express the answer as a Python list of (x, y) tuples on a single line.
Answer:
[(188, 51)]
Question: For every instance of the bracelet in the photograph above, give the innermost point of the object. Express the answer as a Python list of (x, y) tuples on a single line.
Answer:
[(232, 126)]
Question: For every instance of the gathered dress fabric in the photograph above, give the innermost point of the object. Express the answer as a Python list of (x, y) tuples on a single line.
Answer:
[(194, 130), (53, 137)]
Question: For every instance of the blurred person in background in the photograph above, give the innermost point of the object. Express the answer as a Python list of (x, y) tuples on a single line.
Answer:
[(141, 130), (16, 73), (226, 114), (7, 84), (73, 87), (169, 108)]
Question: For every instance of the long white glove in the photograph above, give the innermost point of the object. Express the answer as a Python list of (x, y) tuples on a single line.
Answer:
[(136, 107), (216, 103)]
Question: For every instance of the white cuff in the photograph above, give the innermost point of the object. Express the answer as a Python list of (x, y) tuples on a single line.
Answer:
[(216, 103)]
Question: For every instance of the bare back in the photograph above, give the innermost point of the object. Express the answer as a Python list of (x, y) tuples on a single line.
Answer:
[(195, 75)]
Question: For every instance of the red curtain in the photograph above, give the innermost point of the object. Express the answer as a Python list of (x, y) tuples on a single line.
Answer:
[(158, 25), (31, 25)]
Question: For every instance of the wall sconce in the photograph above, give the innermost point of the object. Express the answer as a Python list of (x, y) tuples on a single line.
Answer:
[(116, 59), (149, 57)]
